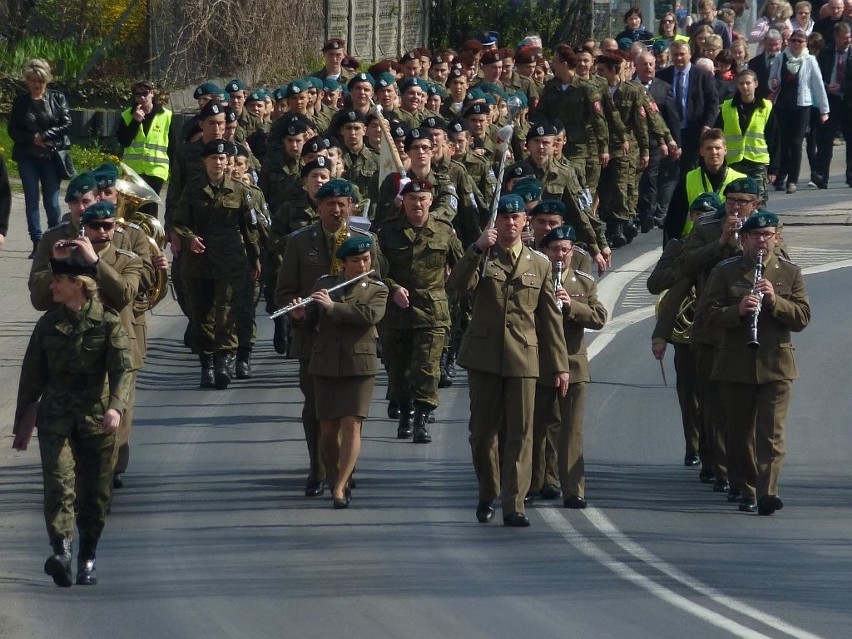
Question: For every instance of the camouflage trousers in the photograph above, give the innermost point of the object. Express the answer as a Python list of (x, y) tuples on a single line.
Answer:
[(413, 360)]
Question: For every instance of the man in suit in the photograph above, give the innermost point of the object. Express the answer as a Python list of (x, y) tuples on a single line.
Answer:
[(514, 319), (757, 381), (306, 258), (660, 178), (835, 64), (772, 45), (696, 100)]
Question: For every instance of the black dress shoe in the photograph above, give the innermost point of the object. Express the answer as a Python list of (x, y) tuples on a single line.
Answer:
[(706, 476), (721, 486), (516, 520), (734, 495), (574, 501), (550, 492), (117, 481), (748, 505), (530, 497), (768, 504), (314, 489), (691, 460), (484, 512)]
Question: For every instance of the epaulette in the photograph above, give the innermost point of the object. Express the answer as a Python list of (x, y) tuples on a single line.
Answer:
[(539, 253), (730, 260), (377, 282), (781, 258), (444, 221), (119, 229), (126, 252), (584, 274), (579, 249), (60, 225), (707, 218), (353, 229), (133, 225), (301, 230)]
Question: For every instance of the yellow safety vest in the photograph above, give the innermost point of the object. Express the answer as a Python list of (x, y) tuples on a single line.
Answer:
[(697, 183), (751, 144), (148, 154)]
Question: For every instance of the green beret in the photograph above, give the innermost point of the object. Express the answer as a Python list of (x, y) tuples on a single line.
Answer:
[(337, 187), (215, 147), (759, 220), (565, 232), (706, 203), (361, 77), (72, 267), (357, 245), (106, 175), (330, 85), (520, 99), (256, 96), (296, 87), (475, 94), (314, 82), (79, 185), (743, 185), (625, 43), (659, 46), (208, 88), (385, 80), (528, 188), (99, 211), (235, 85), (490, 100), (412, 82), (550, 207), (509, 204)]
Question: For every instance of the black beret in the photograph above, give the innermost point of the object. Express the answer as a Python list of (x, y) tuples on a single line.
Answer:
[(320, 162), (210, 109), (550, 207), (434, 122), (215, 147), (417, 134), (73, 267)]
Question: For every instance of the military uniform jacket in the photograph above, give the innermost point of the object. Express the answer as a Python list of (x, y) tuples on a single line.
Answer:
[(467, 219), (577, 105), (791, 312), (78, 364), (306, 259), (444, 198), (586, 311), (345, 337), (629, 100), (515, 320), (666, 276), (293, 215), (228, 225), (360, 167), (187, 167), (281, 181), (417, 260)]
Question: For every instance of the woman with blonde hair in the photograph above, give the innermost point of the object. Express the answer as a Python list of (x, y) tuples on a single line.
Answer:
[(776, 14)]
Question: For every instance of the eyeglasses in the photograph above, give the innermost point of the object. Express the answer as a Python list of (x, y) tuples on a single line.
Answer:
[(736, 201), (100, 226), (667, 21), (762, 235)]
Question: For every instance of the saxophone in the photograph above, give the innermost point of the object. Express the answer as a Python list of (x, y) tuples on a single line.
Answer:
[(340, 236)]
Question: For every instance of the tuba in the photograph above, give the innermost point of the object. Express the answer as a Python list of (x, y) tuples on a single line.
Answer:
[(682, 329), (133, 193)]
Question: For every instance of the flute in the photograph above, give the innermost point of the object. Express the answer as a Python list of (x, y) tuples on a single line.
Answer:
[(310, 300)]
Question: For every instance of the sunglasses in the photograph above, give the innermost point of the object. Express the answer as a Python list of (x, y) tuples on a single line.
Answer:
[(100, 226)]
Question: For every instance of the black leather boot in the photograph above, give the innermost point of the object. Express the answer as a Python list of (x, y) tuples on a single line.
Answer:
[(243, 367), (206, 371), (86, 575), (393, 410), (221, 374), (406, 422), (421, 431), (444, 380), (58, 565)]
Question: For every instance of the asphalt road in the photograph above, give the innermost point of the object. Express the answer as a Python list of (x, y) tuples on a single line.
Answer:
[(212, 537)]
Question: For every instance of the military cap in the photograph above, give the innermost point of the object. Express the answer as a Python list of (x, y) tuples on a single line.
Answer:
[(434, 122), (454, 73), (440, 58), (565, 232), (215, 147), (399, 129), (490, 57), (350, 115), (478, 108), (349, 62), (541, 129), (99, 211), (241, 151), (550, 207), (510, 204), (230, 115), (528, 188), (519, 170), (490, 99), (320, 162), (315, 145), (356, 245), (296, 87), (490, 87), (106, 175), (625, 43), (416, 186), (334, 44), (337, 187), (79, 185), (208, 88), (361, 77), (314, 81), (333, 143), (235, 85), (706, 203), (417, 134), (743, 185), (412, 82), (296, 127), (383, 66), (73, 267), (760, 219), (278, 94), (385, 79), (210, 109), (659, 46), (471, 45), (519, 101), (457, 125), (330, 85), (475, 94), (487, 38), (256, 96), (436, 89), (408, 57), (527, 55)]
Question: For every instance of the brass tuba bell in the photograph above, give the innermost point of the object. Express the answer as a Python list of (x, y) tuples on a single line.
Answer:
[(682, 328)]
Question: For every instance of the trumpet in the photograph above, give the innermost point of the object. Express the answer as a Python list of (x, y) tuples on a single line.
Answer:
[(310, 300), (755, 316), (557, 282)]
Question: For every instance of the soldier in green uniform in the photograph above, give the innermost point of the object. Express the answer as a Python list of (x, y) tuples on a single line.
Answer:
[(238, 92), (333, 51), (220, 230), (76, 375), (757, 382), (477, 167), (278, 178), (419, 247), (412, 102), (359, 161), (560, 419), (457, 86), (361, 89)]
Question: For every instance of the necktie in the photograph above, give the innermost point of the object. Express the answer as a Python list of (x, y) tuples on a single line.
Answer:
[(679, 95)]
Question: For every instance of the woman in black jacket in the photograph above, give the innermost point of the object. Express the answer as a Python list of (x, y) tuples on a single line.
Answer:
[(38, 126)]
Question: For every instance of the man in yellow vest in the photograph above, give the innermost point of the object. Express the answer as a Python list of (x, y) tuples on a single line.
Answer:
[(711, 176), (144, 134), (751, 132)]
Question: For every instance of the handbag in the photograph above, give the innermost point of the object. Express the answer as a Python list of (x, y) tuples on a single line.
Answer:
[(64, 164)]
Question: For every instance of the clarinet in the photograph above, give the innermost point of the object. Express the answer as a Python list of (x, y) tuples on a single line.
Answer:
[(755, 316), (557, 282)]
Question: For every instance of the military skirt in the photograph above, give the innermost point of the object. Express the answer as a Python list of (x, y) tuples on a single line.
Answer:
[(343, 396)]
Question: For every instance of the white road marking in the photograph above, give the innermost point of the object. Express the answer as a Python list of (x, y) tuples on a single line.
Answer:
[(611, 285)]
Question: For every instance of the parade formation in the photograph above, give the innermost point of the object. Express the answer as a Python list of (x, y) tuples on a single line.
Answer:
[(444, 210)]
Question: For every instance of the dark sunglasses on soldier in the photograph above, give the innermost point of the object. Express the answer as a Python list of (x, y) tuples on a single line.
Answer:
[(101, 226)]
